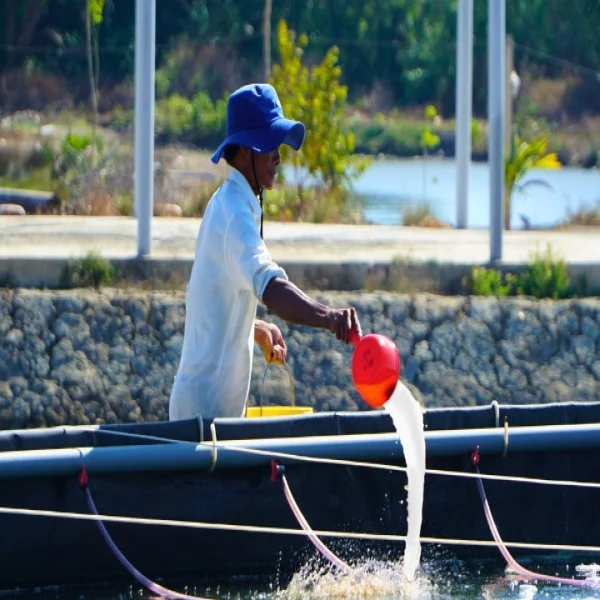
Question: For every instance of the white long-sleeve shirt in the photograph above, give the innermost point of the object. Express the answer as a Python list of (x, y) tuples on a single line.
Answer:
[(231, 270)]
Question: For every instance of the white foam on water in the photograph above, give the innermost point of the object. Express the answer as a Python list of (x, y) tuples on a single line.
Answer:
[(407, 416), (372, 579), (526, 591), (590, 572)]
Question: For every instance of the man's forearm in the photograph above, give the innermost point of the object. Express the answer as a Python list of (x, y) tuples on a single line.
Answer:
[(292, 305)]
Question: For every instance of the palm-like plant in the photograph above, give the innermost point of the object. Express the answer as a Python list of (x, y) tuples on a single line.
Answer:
[(523, 157)]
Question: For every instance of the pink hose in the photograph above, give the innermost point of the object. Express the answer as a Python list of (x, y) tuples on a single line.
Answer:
[(139, 577), (513, 564), (320, 546)]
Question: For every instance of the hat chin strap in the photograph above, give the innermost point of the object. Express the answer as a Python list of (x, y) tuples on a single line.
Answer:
[(260, 195)]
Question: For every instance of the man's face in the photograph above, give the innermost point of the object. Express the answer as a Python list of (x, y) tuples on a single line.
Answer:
[(266, 168)]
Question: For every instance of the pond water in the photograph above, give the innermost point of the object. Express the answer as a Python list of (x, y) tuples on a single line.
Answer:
[(389, 187), (440, 578)]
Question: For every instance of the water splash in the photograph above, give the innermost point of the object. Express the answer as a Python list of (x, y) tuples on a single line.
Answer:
[(372, 579), (589, 572), (407, 416)]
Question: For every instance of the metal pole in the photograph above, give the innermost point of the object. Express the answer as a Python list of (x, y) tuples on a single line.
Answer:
[(145, 38), (496, 117), (464, 101)]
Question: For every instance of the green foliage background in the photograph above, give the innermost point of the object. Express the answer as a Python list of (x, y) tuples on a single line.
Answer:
[(408, 46)]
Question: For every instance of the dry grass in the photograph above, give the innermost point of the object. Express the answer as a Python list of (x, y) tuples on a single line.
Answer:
[(586, 217), (422, 216), (97, 204), (547, 94)]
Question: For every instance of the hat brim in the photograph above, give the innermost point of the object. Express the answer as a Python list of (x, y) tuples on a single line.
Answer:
[(280, 131)]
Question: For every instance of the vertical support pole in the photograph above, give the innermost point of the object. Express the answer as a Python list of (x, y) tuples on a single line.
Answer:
[(508, 91), (145, 48), (496, 118), (464, 102)]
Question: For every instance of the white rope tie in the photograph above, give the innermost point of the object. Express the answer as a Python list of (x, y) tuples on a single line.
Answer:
[(496, 408), (214, 453)]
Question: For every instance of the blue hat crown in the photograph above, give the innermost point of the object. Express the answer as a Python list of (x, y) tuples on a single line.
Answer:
[(251, 107), (255, 120)]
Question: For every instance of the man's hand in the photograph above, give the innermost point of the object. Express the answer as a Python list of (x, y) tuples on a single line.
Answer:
[(342, 321), (269, 337)]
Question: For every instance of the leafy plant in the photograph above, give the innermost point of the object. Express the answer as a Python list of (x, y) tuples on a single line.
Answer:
[(489, 282), (524, 156), (209, 118), (315, 96), (429, 140), (477, 134), (174, 115), (74, 161), (545, 277), (92, 270), (124, 204), (198, 120), (93, 18)]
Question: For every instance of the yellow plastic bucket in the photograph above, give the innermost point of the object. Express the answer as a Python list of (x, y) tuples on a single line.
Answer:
[(253, 412)]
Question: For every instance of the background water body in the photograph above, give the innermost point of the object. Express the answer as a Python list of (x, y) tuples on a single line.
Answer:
[(388, 187)]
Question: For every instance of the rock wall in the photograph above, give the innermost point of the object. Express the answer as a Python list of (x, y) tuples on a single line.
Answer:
[(92, 357)]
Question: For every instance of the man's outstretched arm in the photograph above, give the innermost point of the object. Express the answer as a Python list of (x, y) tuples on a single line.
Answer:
[(291, 304)]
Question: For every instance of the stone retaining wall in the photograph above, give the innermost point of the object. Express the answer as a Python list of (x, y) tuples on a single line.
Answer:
[(91, 357)]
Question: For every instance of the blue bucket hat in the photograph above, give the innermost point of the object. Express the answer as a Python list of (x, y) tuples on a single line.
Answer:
[(255, 120)]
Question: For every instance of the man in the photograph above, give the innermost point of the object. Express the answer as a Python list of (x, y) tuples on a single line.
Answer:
[(233, 269)]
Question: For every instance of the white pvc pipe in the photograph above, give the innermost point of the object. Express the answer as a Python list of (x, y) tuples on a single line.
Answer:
[(496, 117), (145, 47), (464, 101)]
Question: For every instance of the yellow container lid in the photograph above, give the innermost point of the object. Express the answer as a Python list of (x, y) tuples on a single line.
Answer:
[(277, 411)]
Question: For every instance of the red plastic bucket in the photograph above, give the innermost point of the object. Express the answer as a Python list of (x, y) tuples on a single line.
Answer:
[(375, 368)]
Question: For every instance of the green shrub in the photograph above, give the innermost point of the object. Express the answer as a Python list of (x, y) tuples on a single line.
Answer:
[(489, 282), (315, 205), (397, 137), (124, 204), (120, 119), (545, 277), (92, 270), (209, 120), (198, 121), (314, 95), (174, 116)]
